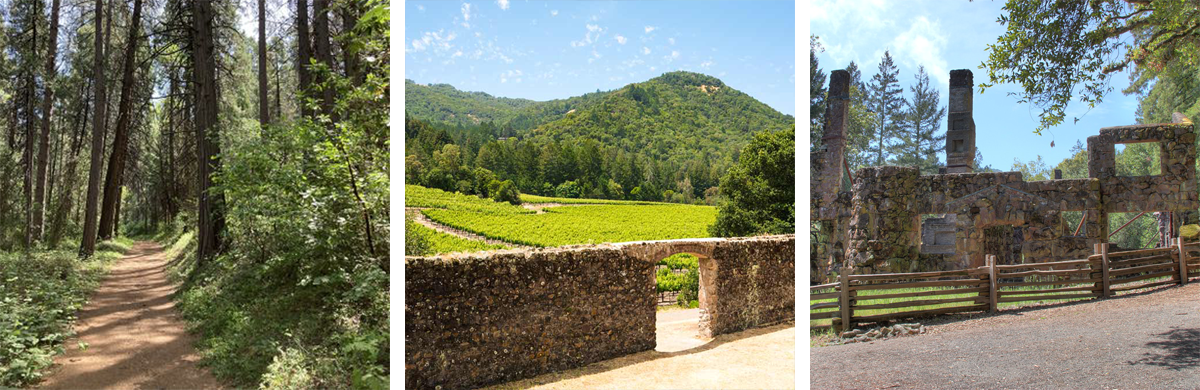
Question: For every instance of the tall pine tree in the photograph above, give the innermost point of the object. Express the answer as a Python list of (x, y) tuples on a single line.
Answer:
[(886, 100), (816, 93), (919, 136)]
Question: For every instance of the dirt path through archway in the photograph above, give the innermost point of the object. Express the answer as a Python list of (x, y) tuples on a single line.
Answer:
[(134, 337)]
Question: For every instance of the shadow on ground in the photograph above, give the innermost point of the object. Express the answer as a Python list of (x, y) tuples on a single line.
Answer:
[(1179, 349)]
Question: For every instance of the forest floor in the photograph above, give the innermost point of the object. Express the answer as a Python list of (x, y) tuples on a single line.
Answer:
[(418, 217), (762, 358), (1140, 340), (130, 334)]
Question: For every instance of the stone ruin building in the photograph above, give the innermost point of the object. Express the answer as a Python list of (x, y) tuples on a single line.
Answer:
[(893, 219)]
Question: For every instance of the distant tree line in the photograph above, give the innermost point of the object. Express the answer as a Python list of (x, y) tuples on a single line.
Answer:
[(486, 158)]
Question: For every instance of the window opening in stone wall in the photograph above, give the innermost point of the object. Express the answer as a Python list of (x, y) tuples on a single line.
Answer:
[(677, 319), (1138, 159), (1140, 231)]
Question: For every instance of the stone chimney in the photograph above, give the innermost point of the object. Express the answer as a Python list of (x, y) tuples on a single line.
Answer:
[(837, 110), (960, 133)]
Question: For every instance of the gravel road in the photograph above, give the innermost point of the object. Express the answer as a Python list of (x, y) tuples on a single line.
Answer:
[(1147, 340)]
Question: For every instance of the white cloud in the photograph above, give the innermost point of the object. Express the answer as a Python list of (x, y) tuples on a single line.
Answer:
[(645, 50), (553, 12), (502, 3), (514, 74), (706, 64), (435, 41), (673, 56), (922, 44), (621, 39), (596, 54), (466, 11), (650, 29), (671, 40), (457, 54), (593, 33), (421, 8)]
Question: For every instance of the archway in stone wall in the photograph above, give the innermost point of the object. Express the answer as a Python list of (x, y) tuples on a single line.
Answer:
[(683, 324)]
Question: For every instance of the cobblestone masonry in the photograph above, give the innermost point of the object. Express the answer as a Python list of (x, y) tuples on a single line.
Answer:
[(478, 319), (882, 218)]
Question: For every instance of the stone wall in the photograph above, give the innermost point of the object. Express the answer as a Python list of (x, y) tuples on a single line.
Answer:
[(479, 319), (473, 320), (992, 212), (755, 284)]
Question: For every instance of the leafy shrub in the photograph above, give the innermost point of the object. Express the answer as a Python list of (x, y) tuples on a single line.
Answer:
[(39, 297), (505, 191)]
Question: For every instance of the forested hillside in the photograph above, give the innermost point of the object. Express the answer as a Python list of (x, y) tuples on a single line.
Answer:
[(667, 139)]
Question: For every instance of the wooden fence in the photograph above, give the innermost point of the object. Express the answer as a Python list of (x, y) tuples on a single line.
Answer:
[(855, 299)]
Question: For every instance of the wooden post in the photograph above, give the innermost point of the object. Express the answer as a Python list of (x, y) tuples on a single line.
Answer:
[(991, 264), (844, 299), (1105, 291), (1183, 271)]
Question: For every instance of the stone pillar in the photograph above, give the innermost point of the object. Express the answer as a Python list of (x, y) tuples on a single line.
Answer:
[(837, 116), (960, 134)]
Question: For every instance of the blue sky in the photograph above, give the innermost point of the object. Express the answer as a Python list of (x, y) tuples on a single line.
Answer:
[(946, 35), (544, 50)]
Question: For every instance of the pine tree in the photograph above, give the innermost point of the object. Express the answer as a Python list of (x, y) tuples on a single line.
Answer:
[(862, 121), (919, 136), (816, 94), (886, 100)]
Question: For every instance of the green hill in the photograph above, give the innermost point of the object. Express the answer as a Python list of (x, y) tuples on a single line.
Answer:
[(676, 116), (670, 138)]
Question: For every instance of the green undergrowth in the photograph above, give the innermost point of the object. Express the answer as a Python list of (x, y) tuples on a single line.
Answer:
[(40, 295), (285, 323)]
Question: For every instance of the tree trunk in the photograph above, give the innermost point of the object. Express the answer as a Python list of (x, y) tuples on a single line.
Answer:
[(116, 161), (350, 60), (30, 132), (210, 213), (264, 103), (324, 53), (88, 245), (65, 202), (304, 56), (39, 197)]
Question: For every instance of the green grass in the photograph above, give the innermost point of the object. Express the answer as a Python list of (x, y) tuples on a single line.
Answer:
[(418, 196), (440, 243), (526, 198), (585, 224), (40, 294)]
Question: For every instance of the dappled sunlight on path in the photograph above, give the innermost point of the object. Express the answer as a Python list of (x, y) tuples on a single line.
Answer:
[(134, 338)]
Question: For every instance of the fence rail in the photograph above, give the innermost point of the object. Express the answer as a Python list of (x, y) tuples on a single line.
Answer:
[(857, 299)]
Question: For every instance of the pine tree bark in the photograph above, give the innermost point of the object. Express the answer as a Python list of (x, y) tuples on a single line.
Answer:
[(264, 103), (39, 196), (210, 213), (324, 53), (88, 245), (120, 151), (65, 201), (304, 57), (350, 60)]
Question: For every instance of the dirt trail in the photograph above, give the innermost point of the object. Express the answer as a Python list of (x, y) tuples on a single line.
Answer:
[(135, 339), (1149, 340), (418, 217)]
